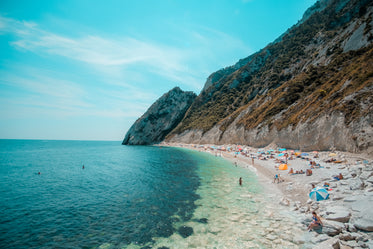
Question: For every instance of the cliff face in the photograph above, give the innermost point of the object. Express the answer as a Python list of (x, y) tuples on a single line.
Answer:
[(310, 89), (160, 118)]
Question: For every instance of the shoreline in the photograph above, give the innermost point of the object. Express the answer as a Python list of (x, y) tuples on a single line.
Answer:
[(347, 214)]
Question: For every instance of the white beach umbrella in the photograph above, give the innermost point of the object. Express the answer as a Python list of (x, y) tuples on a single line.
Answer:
[(319, 194)]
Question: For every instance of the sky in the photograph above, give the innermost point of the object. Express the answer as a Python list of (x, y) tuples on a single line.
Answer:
[(87, 70)]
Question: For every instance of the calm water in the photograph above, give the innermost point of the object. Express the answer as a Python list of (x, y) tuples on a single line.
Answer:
[(125, 197)]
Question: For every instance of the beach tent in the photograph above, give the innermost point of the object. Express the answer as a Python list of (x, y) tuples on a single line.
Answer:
[(319, 194), (332, 154), (283, 167)]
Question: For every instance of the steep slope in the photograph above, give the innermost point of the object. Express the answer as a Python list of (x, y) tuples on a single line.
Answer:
[(310, 89), (160, 118)]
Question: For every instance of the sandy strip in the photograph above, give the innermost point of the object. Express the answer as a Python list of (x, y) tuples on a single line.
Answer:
[(294, 188)]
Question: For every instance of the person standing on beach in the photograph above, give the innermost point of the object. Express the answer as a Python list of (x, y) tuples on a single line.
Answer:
[(240, 181), (276, 179)]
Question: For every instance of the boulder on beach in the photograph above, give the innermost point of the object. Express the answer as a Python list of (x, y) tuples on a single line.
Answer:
[(332, 228), (362, 218), (337, 213), (332, 243), (355, 184)]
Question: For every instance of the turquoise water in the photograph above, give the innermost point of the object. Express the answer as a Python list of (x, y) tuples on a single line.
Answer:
[(126, 197)]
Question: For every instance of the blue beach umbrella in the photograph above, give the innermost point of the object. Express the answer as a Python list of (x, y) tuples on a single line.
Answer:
[(282, 154), (319, 194), (282, 149), (304, 154)]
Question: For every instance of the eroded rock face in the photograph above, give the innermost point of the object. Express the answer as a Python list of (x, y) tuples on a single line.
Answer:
[(321, 134), (309, 101), (163, 116)]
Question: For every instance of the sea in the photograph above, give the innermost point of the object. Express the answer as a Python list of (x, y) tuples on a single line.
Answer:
[(101, 194)]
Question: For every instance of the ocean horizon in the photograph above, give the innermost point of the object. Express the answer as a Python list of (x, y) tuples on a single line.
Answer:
[(101, 194)]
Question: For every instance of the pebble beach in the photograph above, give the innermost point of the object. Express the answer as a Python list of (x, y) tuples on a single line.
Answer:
[(346, 214)]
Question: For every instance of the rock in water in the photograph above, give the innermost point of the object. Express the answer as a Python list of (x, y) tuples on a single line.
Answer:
[(185, 231), (161, 118)]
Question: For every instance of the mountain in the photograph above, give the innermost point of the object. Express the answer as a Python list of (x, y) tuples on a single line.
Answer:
[(160, 118), (311, 89)]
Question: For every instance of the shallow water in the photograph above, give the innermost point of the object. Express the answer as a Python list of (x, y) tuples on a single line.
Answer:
[(132, 197)]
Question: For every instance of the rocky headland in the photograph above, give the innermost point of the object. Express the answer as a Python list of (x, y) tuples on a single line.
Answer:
[(161, 118)]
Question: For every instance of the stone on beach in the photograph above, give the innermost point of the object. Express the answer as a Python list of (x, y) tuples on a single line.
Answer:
[(337, 213), (332, 228), (362, 218), (332, 243)]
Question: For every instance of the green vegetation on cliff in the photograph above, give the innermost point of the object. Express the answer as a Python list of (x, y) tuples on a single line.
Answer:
[(303, 74)]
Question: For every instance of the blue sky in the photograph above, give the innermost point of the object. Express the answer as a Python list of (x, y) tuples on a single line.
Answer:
[(84, 69)]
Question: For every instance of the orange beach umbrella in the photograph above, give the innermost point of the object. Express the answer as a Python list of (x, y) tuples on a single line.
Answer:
[(283, 167)]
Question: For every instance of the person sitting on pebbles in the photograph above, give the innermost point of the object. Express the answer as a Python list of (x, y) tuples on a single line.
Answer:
[(316, 221)]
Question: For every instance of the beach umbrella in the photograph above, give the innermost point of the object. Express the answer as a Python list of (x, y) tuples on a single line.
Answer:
[(283, 167), (319, 194), (282, 154), (315, 152), (304, 154), (282, 149), (332, 154)]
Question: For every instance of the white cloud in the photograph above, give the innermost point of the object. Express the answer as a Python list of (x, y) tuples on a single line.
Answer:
[(36, 92), (100, 77), (189, 67)]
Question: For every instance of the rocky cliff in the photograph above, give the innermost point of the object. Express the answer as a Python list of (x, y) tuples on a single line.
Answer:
[(160, 118), (310, 89)]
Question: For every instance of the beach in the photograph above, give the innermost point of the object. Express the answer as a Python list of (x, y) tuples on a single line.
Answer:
[(346, 214)]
